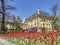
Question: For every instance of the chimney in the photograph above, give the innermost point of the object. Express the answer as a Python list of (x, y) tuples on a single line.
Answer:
[(38, 10)]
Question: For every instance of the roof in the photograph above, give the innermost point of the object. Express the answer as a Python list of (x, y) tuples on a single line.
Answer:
[(42, 15)]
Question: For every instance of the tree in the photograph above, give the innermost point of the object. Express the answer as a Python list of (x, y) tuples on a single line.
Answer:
[(13, 19), (19, 24), (54, 22), (54, 9), (57, 25), (3, 9), (55, 18)]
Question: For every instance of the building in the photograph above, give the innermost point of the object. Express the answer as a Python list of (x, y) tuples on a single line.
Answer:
[(40, 20)]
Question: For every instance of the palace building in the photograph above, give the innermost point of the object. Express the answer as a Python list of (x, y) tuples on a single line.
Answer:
[(39, 20)]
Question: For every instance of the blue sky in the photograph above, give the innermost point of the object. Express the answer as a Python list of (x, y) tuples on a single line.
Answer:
[(25, 8)]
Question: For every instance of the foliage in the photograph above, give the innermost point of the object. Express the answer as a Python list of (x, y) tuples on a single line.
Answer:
[(19, 24), (54, 20), (57, 24), (57, 27)]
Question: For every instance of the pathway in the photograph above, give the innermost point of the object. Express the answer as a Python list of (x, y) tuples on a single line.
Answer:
[(4, 42)]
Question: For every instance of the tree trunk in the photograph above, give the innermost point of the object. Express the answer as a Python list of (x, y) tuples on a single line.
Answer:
[(3, 16)]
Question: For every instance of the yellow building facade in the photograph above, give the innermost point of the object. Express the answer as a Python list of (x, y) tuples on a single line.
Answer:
[(40, 20)]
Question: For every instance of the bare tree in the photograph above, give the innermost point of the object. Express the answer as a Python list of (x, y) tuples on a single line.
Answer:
[(54, 14), (4, 8), (54, 9)]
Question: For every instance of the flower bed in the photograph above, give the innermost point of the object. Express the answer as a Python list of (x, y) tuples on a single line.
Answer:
[(33, 38)]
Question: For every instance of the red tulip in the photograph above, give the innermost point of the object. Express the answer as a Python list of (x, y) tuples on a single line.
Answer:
[(52, 41), (35, 40), (45, 37), (41, 40)]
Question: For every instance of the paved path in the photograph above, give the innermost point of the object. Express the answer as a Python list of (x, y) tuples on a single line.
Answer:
[(4, 42)]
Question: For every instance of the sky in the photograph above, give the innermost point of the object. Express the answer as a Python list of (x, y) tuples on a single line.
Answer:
[(25, 8)]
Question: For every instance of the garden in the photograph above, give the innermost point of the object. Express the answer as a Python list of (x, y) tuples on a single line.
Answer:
[(33, 38)]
